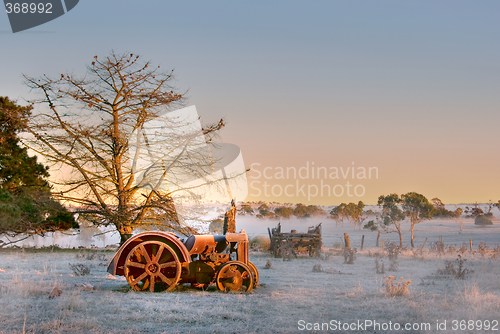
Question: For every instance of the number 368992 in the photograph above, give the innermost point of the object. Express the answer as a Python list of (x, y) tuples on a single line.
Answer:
[(28, 8)]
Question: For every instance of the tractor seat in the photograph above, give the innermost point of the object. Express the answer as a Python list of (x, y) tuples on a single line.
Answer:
[(189, 242)]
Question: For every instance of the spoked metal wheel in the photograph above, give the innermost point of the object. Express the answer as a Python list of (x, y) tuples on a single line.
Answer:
[(235, 276), (152, 266)]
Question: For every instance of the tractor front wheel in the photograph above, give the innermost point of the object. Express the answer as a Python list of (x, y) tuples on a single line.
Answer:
[(235, 276), (255, 273)]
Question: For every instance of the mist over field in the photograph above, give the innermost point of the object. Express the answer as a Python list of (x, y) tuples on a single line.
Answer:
[(89, 236)]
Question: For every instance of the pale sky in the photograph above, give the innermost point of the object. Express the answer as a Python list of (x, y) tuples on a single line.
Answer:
[(408, 87)]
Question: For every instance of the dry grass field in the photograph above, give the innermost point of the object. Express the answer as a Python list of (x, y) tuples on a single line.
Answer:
[(292, 297)]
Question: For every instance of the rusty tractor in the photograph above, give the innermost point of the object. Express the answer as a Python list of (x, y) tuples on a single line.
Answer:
[(159, 261), (287, 244)]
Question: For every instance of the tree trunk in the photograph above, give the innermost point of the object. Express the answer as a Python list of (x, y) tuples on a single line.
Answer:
[(412, 245), (125, 233)]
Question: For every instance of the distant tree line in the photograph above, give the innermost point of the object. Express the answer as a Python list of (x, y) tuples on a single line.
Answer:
[(411, 208), (355, 213), (280, 211)]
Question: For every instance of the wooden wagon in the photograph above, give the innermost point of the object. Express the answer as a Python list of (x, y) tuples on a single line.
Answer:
[(287, 244)]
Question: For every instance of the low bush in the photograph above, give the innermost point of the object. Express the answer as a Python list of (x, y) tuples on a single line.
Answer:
[(398, 289), (260, 242), (459, 272)]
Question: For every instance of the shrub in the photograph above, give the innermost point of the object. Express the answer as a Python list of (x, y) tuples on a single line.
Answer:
[(399, 289), (317, 268), (459, 272), (393, 251), (379, 266), (438, 247), (80, 269), (260, 242), (449, 269), (464, 248), (349, 255), (482, 220)]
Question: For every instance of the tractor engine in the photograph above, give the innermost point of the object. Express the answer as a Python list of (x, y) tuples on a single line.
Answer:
[(208, 254)]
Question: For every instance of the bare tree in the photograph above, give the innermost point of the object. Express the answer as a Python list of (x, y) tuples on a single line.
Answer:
[(90, 128)]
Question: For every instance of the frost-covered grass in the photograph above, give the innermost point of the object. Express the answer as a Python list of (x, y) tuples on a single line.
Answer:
[(290, 291)]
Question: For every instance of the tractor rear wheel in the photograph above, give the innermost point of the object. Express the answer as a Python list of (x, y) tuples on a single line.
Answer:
[(152, 266)]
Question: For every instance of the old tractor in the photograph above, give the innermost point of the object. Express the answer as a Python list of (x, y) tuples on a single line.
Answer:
[(288, 244), (159, 261)]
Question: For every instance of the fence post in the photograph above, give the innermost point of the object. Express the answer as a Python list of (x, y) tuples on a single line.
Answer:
[(347, 240), (422, 248)]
